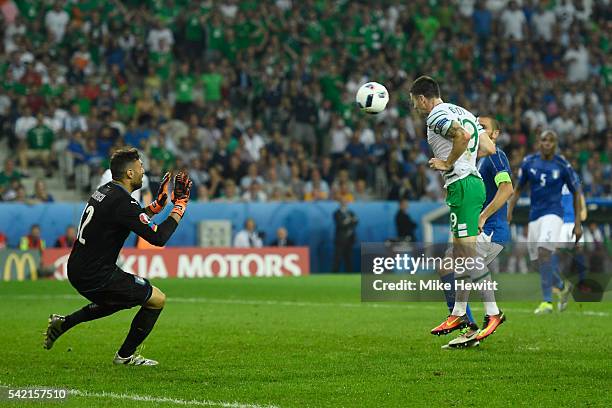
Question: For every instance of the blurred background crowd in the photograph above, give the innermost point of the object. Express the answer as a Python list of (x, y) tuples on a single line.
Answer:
[(256, 98)]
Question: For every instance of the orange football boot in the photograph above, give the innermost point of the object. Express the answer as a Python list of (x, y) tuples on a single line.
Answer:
[(491, 323), (450, 324)]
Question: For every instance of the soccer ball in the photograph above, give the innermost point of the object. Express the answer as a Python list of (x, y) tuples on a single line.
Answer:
[(372, 97)]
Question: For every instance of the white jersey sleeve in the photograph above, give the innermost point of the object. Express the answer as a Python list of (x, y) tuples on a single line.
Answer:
[(439, 121)]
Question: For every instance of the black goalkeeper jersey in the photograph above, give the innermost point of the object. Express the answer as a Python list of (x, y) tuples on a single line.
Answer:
[(109, 216)]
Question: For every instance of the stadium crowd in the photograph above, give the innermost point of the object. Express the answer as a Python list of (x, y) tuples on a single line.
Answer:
[(256, 98)]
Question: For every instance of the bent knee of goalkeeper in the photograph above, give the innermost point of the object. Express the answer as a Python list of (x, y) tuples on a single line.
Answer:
[(157, 300)]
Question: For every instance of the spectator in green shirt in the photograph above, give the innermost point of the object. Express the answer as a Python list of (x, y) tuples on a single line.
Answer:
[(29, 9), (229, 48), (126, 108), (8, 175), (212, 81), (162, 60), (606, 70), (194, 33), (39, 141), (214, 35), (427, 25), (184, 84)]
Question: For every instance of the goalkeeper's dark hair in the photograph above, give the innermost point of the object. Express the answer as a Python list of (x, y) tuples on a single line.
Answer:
[(121, 160), (426, 86)]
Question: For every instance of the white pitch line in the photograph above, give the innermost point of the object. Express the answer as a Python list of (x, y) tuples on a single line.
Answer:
[(382, 305), (176, 401), (146, 398)]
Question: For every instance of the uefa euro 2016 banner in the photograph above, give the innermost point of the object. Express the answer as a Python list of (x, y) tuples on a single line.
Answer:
[(19, 265), (198, 262)]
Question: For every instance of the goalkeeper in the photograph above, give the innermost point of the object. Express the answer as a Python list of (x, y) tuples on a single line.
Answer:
[(109, 216)]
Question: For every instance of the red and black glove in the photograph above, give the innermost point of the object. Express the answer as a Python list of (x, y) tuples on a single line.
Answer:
[(162, 196), (181, 193)]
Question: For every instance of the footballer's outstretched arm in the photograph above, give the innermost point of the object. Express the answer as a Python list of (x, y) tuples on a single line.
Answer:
[(486, 147), (136, 219), (132, 216)]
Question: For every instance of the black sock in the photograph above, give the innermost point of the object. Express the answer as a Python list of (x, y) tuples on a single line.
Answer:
[(141, 327), (90, 312)]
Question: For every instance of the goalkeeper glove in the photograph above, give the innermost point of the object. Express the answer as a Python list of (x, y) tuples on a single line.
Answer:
[(181, 193), (162, 196)]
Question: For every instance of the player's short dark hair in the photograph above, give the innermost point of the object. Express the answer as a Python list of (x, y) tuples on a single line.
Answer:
[(426, 86), (494, 122), (121, 159)]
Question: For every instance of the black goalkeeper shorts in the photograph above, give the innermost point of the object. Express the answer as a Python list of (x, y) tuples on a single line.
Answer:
[(122, 290)]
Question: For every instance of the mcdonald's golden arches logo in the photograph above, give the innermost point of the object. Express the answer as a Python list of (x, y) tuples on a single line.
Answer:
[(20, 260)]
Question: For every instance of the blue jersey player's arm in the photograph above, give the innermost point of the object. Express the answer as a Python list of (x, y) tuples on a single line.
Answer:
[(503, 181), (523, 179), (570, 178)]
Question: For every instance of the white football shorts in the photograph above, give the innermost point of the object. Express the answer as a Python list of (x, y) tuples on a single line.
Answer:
[(545, 232)]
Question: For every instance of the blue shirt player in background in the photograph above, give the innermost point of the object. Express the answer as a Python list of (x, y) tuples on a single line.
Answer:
[(492, 223), (547, 172)]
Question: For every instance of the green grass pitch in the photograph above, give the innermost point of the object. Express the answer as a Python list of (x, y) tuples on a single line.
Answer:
[(303, 342)]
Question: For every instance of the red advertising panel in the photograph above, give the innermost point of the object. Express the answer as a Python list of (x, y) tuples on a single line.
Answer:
[(199, 262)]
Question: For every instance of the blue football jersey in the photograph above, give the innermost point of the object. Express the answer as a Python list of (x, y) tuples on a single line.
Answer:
[(491, 169), (546, 179)]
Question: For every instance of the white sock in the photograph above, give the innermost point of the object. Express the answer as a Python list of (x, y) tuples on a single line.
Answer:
[(459, 308), (461, 301), (488, 298), (462, 295), (491, 308)]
